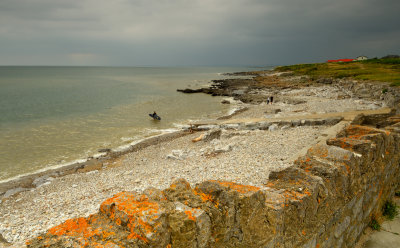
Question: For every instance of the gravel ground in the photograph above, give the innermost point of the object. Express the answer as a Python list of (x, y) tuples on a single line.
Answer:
[(245, 157)]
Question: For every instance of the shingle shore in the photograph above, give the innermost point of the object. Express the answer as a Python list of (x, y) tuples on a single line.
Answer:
[(241, 156)]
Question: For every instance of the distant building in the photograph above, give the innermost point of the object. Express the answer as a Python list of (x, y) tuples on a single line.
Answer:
[(362, 58), (339, 60)]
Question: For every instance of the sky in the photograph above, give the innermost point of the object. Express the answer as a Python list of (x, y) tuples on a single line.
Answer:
[(195, 32)]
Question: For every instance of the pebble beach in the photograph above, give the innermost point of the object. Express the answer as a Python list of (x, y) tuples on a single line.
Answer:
[(239, 155)]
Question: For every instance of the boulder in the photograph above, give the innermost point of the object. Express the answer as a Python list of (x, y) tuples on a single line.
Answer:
[(178, 154), (3, 241), (221, 149), (273, 127), (325, 80)]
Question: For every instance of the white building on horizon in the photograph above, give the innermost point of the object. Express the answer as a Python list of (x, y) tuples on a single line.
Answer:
[(362, 58)]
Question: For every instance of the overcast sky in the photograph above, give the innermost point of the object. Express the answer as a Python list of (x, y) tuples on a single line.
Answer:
[(195, 32)]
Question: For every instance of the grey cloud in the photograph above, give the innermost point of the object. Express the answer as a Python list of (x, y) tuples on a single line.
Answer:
[(183, 32)]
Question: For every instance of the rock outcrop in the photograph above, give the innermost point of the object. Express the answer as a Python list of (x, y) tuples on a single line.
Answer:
[(326, 199)]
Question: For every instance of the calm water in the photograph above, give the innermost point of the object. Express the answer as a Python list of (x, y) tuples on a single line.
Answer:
[(55, 115)]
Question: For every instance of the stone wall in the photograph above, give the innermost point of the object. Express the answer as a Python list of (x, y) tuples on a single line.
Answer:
[(326, 199)]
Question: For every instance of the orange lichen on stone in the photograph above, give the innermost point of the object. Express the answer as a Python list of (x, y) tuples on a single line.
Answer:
[(307, 192), (348, 143), (238, 187), (132, 210), (380, 193), (74, 227), (295, 196), (356, 131), (347, 169), (130, 204), (190, 215), (270, 184), (88, 232), (320, 151), (305, 164), (206, 197), (107, 234), (134, 235)]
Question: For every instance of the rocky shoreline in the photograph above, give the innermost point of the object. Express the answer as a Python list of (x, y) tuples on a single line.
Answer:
[(243, 147)]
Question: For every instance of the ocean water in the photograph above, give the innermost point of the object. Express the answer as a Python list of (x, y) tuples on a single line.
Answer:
[(51, 116)]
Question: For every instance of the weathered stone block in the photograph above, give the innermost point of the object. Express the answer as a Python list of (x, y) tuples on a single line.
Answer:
[(340, 228), (143, 218), (189, 227)]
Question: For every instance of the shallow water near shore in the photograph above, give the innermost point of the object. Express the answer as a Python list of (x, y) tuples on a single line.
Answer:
[(51, 116)]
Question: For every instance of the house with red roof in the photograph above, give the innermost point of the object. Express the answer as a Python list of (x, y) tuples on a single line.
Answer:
[(339, 60)]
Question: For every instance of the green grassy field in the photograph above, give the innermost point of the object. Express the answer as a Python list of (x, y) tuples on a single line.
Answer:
[(384, 70)]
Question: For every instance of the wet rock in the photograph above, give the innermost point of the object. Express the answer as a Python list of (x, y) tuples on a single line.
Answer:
[(235, 112), (206, 127), (107, 150), (230, 126), (12, 192), (211, 135), (189, 91), (251, 126), (332, 121), (40, 181)]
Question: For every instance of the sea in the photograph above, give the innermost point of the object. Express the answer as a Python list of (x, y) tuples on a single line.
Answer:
[(51, 116)]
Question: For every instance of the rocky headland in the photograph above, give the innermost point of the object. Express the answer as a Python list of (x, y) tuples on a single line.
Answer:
[(257, 176)]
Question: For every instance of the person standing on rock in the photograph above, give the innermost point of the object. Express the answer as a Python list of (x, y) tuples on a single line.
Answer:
[(271, 99)]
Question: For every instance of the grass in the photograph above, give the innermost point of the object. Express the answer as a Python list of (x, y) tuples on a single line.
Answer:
[(374, 224), (389, 210), (384, 70)]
